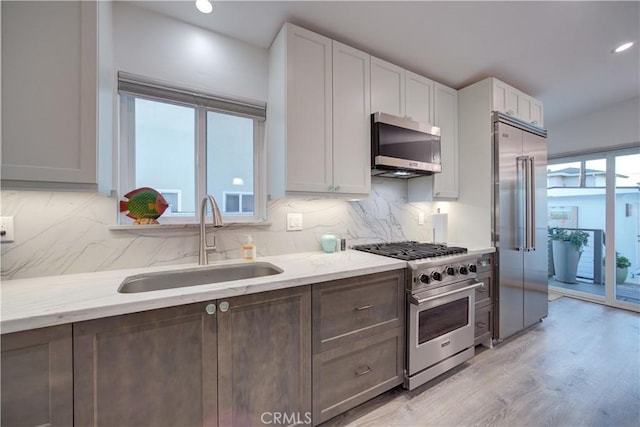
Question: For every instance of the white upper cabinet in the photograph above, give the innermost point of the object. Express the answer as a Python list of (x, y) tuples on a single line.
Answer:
[(445, 184), (387, 88), (509, 100), (419, 98), (317, 116), (351, 120), (49, 94), (400, 92)]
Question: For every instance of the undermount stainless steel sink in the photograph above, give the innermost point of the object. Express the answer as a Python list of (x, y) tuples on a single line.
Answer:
[(196, 276)]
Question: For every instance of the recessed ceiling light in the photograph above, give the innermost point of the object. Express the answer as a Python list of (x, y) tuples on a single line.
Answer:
[(204, 6), (623, 47)]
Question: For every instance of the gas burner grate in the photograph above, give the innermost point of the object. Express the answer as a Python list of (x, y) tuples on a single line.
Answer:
[(410, 250)]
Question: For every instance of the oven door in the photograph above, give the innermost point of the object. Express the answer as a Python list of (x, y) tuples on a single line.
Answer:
[(440, 324)]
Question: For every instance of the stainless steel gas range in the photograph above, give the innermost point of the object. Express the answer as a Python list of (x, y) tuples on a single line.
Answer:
[(440, 293)]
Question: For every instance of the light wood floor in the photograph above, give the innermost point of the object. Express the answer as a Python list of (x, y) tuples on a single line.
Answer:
[(580, 367)]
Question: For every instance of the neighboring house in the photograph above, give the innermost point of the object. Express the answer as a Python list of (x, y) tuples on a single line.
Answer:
[(570, 177)]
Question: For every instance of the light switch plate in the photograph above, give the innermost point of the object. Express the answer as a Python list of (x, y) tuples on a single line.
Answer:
[(420, 218), (6, 229), (294, 222)]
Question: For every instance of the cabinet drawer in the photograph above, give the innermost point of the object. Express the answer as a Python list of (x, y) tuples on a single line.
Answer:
[(349, 375), (351, 309), (483, 323)]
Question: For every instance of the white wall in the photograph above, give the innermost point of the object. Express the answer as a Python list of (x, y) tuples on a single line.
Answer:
[(153, 45), (617, 125)]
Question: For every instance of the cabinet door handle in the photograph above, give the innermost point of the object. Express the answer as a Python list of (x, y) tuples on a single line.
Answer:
[(481, 325), (364, 371), (510, 112), (223, 306), (481, 289), (336, 188), (364, 307), (210, 309)]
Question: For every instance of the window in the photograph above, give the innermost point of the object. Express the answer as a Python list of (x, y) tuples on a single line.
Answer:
[(187, 144), (237, 203)]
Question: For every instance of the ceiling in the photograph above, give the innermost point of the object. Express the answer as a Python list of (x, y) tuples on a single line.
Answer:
[(556, 51)]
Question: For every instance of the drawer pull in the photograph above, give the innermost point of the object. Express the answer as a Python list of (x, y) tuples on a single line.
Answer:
[(481, 325), (364, 307), (364, 371)]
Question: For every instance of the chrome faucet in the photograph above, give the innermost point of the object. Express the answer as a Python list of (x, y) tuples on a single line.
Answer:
[(203, 258)]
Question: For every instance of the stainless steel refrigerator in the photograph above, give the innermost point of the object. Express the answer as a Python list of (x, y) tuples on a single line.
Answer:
[(519, 224)]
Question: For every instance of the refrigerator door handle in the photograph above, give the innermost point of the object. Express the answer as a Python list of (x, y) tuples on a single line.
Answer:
[(531, 208), (521, 215)]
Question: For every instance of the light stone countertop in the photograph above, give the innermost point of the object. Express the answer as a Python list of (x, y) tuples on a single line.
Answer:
[(47, 301)]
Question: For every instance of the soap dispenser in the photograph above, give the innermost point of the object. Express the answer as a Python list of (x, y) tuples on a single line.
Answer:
[(249, 250)]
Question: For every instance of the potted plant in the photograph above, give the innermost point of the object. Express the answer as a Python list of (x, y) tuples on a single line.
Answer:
[(622, 268), (567, 248)]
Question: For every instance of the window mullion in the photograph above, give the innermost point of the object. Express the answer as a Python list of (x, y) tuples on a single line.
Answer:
[(201, 157)]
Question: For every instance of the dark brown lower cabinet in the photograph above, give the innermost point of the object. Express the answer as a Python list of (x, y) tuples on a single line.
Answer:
[(37, 378), (154, 368), (264, 359), (359, 340), (181, 366)]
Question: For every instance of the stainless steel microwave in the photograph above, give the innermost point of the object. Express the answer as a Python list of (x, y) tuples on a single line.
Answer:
[(402, 148)]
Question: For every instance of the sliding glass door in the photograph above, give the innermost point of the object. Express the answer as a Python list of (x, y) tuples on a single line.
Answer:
[(626, 276), (593, 204)]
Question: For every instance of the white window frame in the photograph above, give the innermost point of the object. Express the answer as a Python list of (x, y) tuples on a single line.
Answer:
[(610, 227), (126, 175)]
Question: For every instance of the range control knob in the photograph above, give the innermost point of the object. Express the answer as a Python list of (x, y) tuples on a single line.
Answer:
[(473, 268), (463, 270), (436, 275), (451, 271), (424, 278)]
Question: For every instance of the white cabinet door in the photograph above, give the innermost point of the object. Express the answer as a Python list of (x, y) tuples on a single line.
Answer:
[(525, 107), (445, 184), (387, 88), (49, 90), (309, 126), (505, 98), (537, 117), (418, 98), (351, 120)]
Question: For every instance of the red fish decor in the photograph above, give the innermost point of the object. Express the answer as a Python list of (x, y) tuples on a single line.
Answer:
[(145, 205)]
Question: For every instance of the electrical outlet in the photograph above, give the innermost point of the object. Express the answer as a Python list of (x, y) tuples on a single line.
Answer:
[(294, 222), (420, 218), (6, 229)]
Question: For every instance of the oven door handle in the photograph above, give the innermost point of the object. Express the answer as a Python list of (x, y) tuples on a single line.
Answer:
[(416, 301)]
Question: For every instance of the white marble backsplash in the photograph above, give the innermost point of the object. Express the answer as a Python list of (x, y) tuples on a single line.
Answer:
[(68, 232)]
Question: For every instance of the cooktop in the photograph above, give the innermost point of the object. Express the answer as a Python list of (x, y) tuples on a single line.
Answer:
[(410, 250)]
